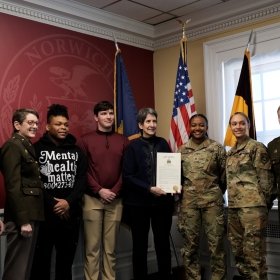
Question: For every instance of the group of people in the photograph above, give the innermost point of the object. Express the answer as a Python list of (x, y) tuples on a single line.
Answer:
[(44, 184), (57, 183), (208, 171), (54, 184)]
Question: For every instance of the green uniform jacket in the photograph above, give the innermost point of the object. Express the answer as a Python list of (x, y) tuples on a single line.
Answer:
[(249, 176), (274, 153), (203, 174), (24, 193)]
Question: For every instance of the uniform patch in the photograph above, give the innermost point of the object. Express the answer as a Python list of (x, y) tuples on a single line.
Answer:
[(264, 158)]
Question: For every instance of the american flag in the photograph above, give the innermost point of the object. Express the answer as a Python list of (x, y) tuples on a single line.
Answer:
[(183, 107)]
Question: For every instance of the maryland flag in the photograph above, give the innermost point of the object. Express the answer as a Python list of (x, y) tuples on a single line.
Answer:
[(243, 101), (124, 103)]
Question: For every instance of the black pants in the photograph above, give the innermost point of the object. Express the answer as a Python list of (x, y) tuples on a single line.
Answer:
[(160, 219), (63, 236), (20, 252)]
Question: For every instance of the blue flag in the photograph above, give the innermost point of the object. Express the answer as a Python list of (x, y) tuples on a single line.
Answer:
[(125, 108)]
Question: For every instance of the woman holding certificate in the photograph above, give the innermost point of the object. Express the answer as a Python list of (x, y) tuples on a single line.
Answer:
[(203, 166), (146, 204)]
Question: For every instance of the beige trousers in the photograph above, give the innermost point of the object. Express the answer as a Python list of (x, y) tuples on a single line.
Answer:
[(101, 225)]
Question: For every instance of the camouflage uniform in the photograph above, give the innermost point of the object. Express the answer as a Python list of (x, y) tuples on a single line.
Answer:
[(274, 153), (202, 204), (249, 184)]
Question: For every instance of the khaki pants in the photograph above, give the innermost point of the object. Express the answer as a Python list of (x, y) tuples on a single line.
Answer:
[(101, 225)]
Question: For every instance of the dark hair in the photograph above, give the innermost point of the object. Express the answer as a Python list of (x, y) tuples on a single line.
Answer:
[(143, 113), (57, 110), (201, 116), (242, 114), (102, 106), (20, 115), (278, 109)]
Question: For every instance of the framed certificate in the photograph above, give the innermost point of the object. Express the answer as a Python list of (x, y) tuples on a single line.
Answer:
[(169, 172)]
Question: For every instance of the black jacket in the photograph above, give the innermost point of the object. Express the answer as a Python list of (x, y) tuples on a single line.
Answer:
[(63, 170), (139, 172)]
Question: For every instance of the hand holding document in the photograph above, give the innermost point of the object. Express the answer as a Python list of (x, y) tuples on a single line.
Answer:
[(169, 172)]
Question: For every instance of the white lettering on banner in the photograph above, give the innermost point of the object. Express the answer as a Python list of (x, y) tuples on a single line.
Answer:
[(58, 185), (59, 169), (49, 168), (46, 156)]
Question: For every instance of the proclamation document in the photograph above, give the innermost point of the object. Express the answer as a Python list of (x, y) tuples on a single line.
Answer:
[(169, 172)]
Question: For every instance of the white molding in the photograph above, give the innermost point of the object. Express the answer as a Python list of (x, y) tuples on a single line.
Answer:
[(220, 26), (91, 21), (79, 24)]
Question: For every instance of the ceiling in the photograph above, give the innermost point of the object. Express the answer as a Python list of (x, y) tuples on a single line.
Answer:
[(146, 23), (166, 15), (156, 12)]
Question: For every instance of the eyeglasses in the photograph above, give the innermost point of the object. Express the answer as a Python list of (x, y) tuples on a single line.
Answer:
[(32, 123)]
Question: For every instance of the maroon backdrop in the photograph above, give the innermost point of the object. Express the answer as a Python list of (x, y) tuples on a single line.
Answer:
[(42, 64)]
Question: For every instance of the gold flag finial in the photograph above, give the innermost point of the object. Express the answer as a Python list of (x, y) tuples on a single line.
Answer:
[(184, 24), (183, 42)]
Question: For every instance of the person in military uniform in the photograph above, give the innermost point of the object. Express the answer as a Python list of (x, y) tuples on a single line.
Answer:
[(203, 164), (274, 153), (24, 205), (249, 184)]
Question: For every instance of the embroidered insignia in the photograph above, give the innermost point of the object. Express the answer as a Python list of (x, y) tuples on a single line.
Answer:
[(264, 158)]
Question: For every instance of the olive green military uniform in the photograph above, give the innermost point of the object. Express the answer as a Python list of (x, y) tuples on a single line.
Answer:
[(202, 205), (24, 204), (274, 153), (249, 184)]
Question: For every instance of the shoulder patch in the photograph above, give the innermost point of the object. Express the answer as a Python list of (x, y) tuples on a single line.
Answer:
[(264, 158)]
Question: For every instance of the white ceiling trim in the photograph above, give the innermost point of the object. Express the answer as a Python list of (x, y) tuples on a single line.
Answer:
[(230, 23), (125, 30), (72, 23)]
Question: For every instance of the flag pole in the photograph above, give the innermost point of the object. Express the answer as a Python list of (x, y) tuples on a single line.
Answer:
[(116, 43), (115, 81), (249, 41), (184, 24), (184, 39)]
